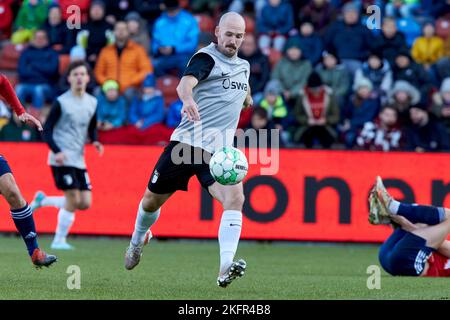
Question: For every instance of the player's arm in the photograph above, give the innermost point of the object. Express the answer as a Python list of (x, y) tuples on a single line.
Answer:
[(53, 117), (198, 69), (248, 102), (92, 133), (7, 92)]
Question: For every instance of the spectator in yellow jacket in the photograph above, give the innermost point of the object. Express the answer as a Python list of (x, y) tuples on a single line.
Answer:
[(125, 61), (429, 48)]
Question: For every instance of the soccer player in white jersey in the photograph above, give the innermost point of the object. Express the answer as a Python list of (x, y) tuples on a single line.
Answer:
[(72, 121), (213, 90)]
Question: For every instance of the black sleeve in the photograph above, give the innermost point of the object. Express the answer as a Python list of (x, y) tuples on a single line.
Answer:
[(53, 117), (92, 130), (200, 66)]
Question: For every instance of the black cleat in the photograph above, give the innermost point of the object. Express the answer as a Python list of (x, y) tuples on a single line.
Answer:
[(237, 270)]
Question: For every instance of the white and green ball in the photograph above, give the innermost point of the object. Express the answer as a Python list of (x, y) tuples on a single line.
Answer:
[(228, 166)]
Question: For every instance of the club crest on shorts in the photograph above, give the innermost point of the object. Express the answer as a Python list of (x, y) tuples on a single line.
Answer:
[(155, 176), (68, 179)]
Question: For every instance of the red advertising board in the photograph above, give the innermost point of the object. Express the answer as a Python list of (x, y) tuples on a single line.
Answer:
[(314, 196)]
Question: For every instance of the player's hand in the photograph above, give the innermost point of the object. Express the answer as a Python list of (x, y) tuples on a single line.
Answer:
[(191, 110), (60, 157), (248, 101), (26, 117), (99, 147)]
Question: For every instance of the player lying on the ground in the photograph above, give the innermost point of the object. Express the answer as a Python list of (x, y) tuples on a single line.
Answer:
[(20, 210), (418, 245), (72, 120), (209, 102)]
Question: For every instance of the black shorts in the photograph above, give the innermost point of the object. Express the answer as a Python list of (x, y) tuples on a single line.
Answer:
[(68, 178), (4, 167), (173, 173)]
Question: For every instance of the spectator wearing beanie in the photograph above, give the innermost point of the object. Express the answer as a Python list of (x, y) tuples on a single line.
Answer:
[(147, 109), (274, 24), (378, 71), (441, 104), (292, 70), (349, 38), (174, 40), (138, 30), (335, 76), (317, 114), (425, 133), (111, 108), (274, 104), (401, 97), (361, 108)]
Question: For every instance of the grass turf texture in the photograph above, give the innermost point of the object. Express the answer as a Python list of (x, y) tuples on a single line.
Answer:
[(188, 270)]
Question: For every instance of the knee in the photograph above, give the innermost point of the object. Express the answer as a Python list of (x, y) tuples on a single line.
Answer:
[(150, 203), (234, 201), (84, 205), (14, 198)]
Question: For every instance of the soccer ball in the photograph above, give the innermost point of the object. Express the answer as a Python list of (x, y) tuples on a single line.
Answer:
[(228, 166)]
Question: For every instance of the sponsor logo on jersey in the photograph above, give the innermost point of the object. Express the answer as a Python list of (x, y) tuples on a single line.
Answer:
[(234, 85)]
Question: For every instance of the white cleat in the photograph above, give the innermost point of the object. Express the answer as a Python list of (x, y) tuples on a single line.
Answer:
[(37, 200), (134, 253), (237, 270), (61, 246)]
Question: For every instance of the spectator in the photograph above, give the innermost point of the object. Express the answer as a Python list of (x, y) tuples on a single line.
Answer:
[(6, 18), (274, 104), (310, 42), (441, 104), (429, 48), (38, 71), (378, 72), (210, 7), (317, 113), (390, 41), (117, 10), (137, 27), (93, 36), (259, 66), (61, 39), (82, 5), (361, 108), (175, 39), (425, 133), (335, 76), (440, 8), (292, 70), (31, 16), (320, 12), (149, 10), (261, 123), (401, 97), (349, 38), (406, 69), (111, 107), (124, 61), (174, 114), (76, 53), (274, 24), (17, 131), (402, 8), (147, 109), (382, 134)]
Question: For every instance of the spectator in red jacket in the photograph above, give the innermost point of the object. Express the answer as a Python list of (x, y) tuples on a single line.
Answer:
[(6, 18)]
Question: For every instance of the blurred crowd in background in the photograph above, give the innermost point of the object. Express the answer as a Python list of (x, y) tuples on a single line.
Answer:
[(327, 74)]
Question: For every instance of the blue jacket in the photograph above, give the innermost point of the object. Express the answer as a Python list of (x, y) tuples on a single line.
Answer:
[(278, 19), (366, 112), (114, 112), (349, 41), (312, 48), (38, 66), (174, 114), (150, 111), (180, 32)]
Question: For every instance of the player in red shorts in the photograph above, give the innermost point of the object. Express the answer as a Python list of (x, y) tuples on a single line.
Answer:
[(20, 210), (418, 245)]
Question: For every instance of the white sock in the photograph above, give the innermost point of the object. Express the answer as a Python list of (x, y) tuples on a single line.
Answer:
[(59, 202), (144, 221), (65, 221), (229, 233), (393, 206)]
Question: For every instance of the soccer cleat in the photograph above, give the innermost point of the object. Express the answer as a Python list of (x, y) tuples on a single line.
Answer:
[(61, 246), (134, 253), (36, 203), (375, 217), (383, 197), (237, 270), (41, 259)]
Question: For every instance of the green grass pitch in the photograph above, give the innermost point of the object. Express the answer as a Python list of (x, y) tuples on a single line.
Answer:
[(188, 269)]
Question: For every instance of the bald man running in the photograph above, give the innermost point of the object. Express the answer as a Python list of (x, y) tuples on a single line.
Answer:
[(213, 90)]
